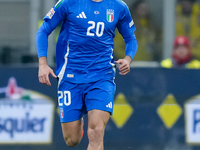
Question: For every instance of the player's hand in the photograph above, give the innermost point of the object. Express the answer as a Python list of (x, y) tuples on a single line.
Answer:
[(44, 71), (124, 65)]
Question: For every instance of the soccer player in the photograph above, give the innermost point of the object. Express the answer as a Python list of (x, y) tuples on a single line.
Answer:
[(85, 64)]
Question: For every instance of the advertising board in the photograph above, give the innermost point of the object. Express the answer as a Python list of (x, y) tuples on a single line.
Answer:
[(25, 116)]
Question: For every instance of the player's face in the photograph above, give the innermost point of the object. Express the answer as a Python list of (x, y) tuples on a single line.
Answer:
[(181, 51)]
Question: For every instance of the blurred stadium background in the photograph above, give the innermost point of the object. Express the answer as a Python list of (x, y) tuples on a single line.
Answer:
[(155, 108)]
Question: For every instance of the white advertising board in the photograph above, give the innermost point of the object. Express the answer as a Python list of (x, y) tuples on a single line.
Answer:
[(26, 116), (192, 121), (25, 122)]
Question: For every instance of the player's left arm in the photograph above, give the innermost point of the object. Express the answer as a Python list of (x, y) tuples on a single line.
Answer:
[(126, 28), (124, 66)]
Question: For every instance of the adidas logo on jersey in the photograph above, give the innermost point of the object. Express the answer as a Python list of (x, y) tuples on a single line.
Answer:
[(109, 105), (81, 15)]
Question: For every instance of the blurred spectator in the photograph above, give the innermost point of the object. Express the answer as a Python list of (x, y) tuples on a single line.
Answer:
[(188, 23), (145, 33), (182, 55)]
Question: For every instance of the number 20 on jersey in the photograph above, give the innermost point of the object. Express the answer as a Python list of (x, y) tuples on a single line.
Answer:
[(99, 28)]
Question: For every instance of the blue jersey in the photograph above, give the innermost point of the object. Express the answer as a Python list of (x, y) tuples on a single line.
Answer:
[(84, 51)]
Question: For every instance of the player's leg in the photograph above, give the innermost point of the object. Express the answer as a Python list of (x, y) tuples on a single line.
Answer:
[(97, 121), (99, 103), (72, 132), (71, 112)]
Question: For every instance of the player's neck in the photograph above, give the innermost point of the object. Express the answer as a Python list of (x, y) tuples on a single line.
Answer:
[(97, 0)]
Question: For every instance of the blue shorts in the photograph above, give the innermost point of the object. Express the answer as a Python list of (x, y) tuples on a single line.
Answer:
[(75, 100)]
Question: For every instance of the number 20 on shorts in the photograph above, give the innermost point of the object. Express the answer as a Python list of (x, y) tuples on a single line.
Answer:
[(67, 98)]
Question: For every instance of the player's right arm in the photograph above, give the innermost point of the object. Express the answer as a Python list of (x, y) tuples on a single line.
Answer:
[(44, 71), (57, 14)]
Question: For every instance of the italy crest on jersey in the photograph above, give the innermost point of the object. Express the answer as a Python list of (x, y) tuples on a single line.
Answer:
[(110, 15)]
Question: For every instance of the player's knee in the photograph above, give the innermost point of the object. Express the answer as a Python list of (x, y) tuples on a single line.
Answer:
[(72, 142), (95, 133)]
